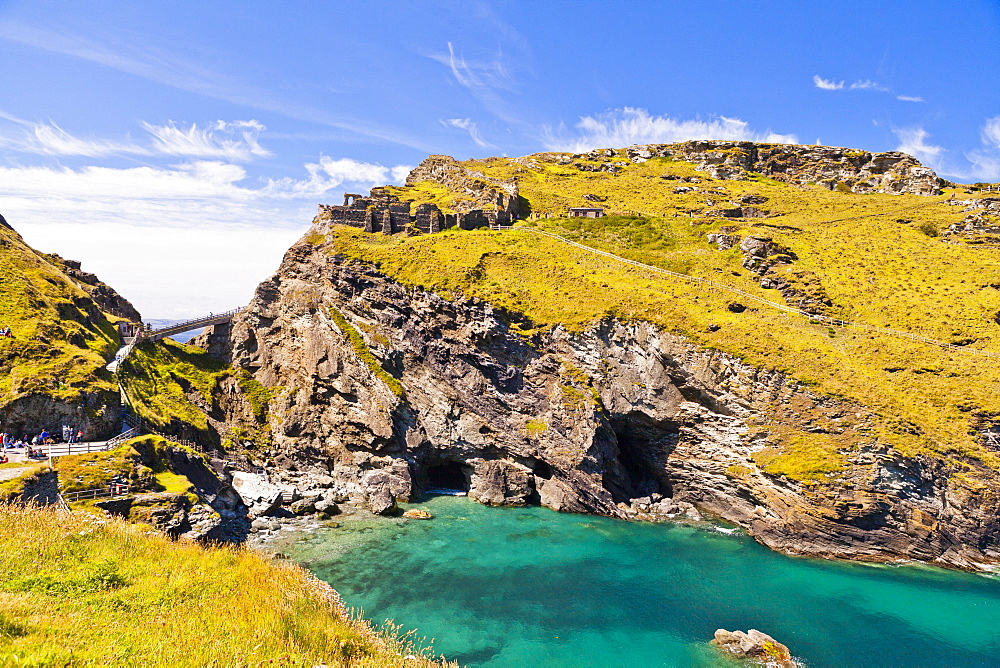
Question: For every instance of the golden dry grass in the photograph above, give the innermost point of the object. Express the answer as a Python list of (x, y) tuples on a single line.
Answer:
[(75, 589)]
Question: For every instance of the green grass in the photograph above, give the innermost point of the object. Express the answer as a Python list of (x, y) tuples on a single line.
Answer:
[(79, 590), (364, 353), (143, 461), (62, 340), (258, 395), (870, 254), (169, 384)]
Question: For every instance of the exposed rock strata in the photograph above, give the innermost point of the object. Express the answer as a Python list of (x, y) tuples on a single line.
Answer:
[(97, 414), (981, 226), (582, 422), (474, 190), (835, 168)]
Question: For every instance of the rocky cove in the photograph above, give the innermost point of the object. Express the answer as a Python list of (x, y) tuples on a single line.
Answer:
[(383, 391), (529, 586)]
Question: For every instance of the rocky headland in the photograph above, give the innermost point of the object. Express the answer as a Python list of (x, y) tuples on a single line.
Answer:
[(390, 390)]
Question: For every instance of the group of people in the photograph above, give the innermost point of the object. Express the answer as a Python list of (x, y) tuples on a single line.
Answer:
[(5, 332), (45, 437)]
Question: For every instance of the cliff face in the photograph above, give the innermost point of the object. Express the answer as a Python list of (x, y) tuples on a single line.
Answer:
[(391, 390)]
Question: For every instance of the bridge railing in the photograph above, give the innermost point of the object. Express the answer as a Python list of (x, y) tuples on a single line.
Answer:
[(194, 323)]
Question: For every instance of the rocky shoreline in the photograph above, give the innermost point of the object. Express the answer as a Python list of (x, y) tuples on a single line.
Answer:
[(393, 390)]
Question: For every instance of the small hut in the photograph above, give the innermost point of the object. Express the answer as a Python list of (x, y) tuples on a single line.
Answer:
[(586, 212)]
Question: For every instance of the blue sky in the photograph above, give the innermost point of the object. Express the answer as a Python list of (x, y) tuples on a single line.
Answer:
[(179, 148)]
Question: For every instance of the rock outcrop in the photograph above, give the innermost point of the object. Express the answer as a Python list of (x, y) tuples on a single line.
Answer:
[(106, 297), (832, 167), (754, 646), (981, 226), (473, 190), (387, 390)]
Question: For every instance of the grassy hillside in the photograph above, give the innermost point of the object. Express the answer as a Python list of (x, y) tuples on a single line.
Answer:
[(174, 387), (78, 590), (61, 338), (143, 461), (877, 258), (169, 384)]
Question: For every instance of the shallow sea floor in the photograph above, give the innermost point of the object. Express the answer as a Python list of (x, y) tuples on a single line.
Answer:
[(532, 587)]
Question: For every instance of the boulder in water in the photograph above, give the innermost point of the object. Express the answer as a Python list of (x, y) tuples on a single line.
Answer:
[(417, 514), (755, 646)]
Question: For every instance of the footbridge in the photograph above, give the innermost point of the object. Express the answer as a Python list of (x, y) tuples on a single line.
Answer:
[(188, 325), (134, 334)]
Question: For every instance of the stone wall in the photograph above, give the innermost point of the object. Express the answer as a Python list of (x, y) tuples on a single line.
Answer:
[(383, 212)]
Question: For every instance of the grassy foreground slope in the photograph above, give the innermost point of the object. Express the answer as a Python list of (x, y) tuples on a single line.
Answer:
[(75, 589), (61, 339), (876, 258)]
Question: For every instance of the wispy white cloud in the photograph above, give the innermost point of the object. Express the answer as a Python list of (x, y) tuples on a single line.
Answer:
[(477, 76), (490, 80), (630, 125), (990, 132), (234, 140), (982, 164), (868, 84), (913, 140), (469, 126), (227, 140), (143, 57), (986, 161), (860, 84), (826, 84), (330, 173), (50, 139)]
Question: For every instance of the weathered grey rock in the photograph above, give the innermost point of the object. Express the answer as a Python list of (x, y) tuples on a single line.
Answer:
[(555, 494), (261, 496), (303, 506), (381, 501), (723, 241), (501, 483), (829, 166), (326, 507)]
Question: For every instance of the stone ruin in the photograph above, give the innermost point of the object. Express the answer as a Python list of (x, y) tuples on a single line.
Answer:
[(386, 213)]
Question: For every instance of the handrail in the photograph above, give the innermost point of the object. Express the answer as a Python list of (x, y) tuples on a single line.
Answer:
[(122, 437), (193, 323), (111, 491), (813, 316), (140, 426)]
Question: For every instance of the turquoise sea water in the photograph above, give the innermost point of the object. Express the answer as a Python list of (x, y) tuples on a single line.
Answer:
[(532, 587)]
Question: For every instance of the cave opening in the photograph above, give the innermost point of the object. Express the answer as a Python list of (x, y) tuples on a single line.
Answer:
[(447, 475), (542, 469), (644, 446)]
